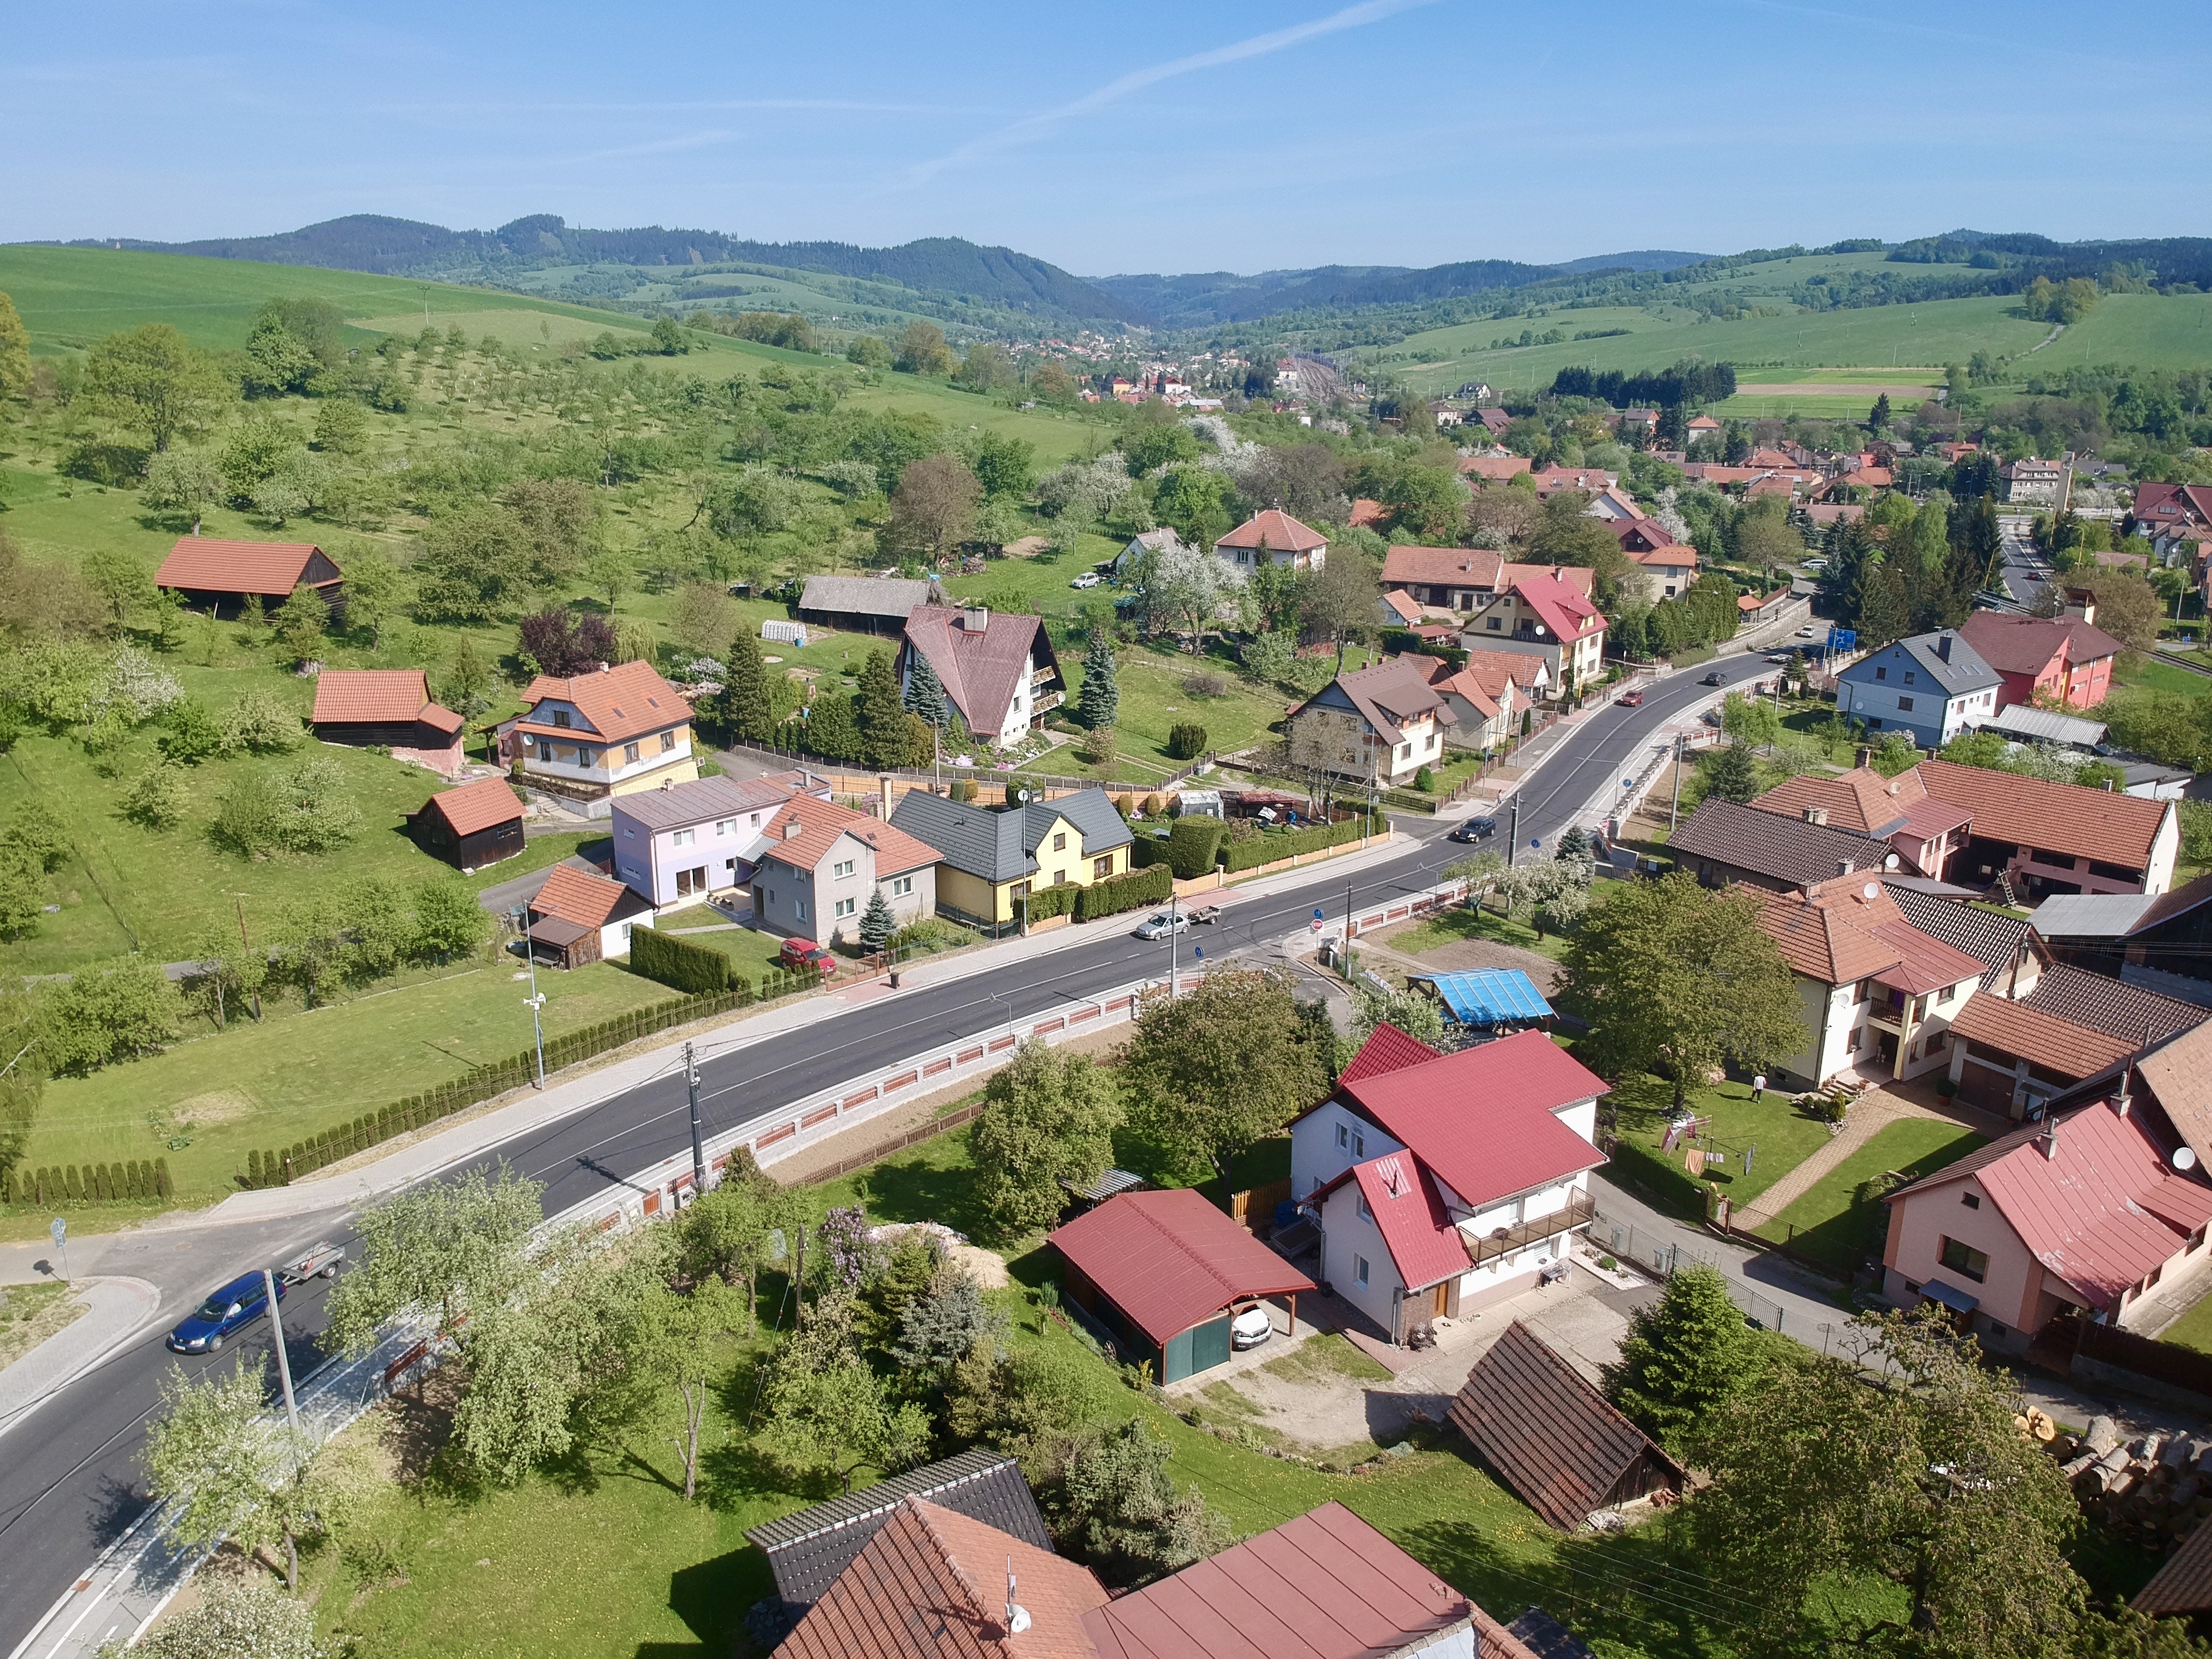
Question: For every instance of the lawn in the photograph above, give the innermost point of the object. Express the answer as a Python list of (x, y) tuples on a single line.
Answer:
[(1464, 924), (255, 1086), (1829, 1221), (2164, 676), (753, 951), (2194, 1328), (1774, 1130)]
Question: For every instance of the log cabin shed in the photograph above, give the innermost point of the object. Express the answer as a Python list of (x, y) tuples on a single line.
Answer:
[(1163, 1273), (207, 570), (476, 824)]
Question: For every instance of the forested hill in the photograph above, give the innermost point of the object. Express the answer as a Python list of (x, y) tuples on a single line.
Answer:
[(987, 275)]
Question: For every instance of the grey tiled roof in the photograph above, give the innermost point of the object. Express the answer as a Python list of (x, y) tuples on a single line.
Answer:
[(1769, 844), (807, 1551), (2111, 1005), (1987, 937), (1956, 669)]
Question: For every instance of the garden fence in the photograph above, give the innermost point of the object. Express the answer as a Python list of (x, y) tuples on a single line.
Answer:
[(1664, 1256)]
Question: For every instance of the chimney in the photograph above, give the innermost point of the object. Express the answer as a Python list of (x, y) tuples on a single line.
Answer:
[(1943, 645), (885, 782), (1866, 757), (791, 829), (973, 618), (1843, 866), (2049, 1139), (1816, 815)]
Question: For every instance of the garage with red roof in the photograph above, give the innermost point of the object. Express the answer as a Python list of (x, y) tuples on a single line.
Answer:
[(1161, 1274)]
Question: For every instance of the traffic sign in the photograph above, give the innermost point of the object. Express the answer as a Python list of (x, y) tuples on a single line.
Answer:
[(59, 1230), (1842, 639)]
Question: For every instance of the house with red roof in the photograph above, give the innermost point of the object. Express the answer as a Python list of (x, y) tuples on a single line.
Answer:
[(998, 669), (389, 708), (1494, 468), (578, 916), (1876, 995), (1665, 571), (817, 864), (2061, 656), (2081, 1213), (210, 571), (1379, 724), (1485, 704), (1443, 1182), (591, 737), (1162, 1275), (1544, 616), (1464, 578), (1700, 426), (1274, 537), (476, 824), (2031, 481), (1590, 480)]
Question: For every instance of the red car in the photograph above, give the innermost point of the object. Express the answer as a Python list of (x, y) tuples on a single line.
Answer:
[(1630, 700), (799, 954)]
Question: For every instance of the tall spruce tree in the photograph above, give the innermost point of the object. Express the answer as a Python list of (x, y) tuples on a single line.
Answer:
[(925, 692), (1100, 700), (886, 734), (748, 704)]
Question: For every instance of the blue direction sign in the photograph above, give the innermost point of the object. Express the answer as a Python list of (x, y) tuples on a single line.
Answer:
[(1842, 639)]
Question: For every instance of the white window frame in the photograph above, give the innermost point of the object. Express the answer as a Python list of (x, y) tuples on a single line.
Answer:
[(902, 886), (845, 908), (1359, 1271), (841, 869), (683, 838)]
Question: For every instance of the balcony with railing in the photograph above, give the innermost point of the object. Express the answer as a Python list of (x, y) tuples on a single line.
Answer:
[(1580, 1210)]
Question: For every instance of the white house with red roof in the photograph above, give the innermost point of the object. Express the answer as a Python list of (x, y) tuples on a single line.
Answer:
[(1441, 1183), (1379, 724), (817, 863), (1274, 537), (2081, 1213), (998, 669), (1543, 615), (591, 737)]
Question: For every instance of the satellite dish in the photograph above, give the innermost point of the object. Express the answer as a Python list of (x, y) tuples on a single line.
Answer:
[(2185, 1157), (1890, 862), (1870, 891)]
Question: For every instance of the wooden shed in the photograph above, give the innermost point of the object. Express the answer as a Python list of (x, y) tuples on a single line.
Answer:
[(476, 824)]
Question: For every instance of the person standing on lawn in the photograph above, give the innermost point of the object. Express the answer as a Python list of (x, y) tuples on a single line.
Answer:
[(1758, 1088)]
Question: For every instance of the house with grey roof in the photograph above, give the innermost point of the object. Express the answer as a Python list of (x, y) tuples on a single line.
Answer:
[(999, 670), (678, 844), (992, 861), (1381, 724), (865, 604), (1723, 843), (1931, 687)]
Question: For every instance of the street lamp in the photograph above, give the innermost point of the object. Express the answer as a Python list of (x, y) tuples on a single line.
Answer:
[(536, 1000)]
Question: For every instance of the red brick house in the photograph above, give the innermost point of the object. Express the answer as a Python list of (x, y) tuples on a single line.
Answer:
[(2061, 656)]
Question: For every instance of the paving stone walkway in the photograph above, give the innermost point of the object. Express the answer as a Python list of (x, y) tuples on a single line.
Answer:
[(1870, 1114)]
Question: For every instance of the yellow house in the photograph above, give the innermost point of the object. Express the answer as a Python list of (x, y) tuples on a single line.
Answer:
[(592, 736), (991, 858)]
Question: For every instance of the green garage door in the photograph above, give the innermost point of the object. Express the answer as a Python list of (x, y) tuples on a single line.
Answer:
[(1198, 1349)]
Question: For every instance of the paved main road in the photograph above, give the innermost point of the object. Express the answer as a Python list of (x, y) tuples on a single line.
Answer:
[(70, 1477)]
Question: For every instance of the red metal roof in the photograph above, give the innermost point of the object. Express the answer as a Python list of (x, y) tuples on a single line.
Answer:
[(1423, 1241), (202, 564), (1326, 1585), (1387, 1051), (1170, 1260), (383, 696), (1484, 1119), (2100, 1211), (475, 806), (1565, 612)]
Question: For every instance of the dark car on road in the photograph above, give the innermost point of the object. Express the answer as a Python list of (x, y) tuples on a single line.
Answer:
[(1472, 829), (241, 1301), (1714, 678)]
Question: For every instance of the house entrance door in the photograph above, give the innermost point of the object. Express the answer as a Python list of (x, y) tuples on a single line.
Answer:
[(1437, 1298)]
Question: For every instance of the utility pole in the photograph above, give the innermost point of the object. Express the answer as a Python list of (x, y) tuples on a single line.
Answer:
[(536, 1000), (283, 1361), (698, 1156), (1513, 834), (1175, 917), (1347, 929), (248, 944), (1674, 808)]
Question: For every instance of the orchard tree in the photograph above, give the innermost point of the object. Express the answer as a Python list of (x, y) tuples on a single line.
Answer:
[(934, 505), (1209, 1073), (738, 1228), (1109, 1498), (152, 377), (671, 1343), (1342, 602), (447, 1251), (828, 1408), (301, 623), (1677, 980), (15, 351), (234, 1618), (1048, 1117), (185, 482)]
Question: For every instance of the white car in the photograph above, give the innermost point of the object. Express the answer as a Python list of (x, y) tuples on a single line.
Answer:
[(1808, 633), (1250, 1328), (1088, 579), (1160, 925)]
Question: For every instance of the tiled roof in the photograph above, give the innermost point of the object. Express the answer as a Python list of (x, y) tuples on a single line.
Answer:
[(1994, 941), (475, 807), (2054, 1043), (2093, 823), (2183, 1584), (888, 597), (807, 1550), (2177, 903), (1590, 478), (1822, 940), (1484, 1119), (1861, 798), (1924, 963), (803, 831), (586, 900), (932, 1585), (1423, 1239), (1494, 668), (1460, 683), (2027, 645), (980, 667), (1365, 512), (1568, 614), (1280, 532), (1402, 605), (2178, 1072), (699, 801), (378, 695), (2100, 1211), (1003, 846), (202, 564), (1325, 1585), (1551, 1437), (622, 703), (1495, 467), (2137, 1017), (1672, 555), (2161, 506), (1952, 665), (1390, 695), (1169, 1259), (1768, 844), (1443, 566)]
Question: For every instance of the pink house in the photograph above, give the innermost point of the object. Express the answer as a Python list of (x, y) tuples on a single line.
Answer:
[(2079, 1213), (2061, 656)]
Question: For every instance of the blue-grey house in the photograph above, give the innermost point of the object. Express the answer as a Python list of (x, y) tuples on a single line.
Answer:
[(1932, 686)]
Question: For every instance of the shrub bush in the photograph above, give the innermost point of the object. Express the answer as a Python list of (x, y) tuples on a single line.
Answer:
[(1186, 740), (1206, 685), (1119, 893), (693, 970), (1058, 900), (1194, 846), (1425, 781), (1284, 843), (1145, 850)]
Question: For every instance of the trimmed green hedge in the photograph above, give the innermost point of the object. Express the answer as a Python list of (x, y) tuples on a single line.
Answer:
[(697, 970), (1147, 850), (1119, 893), (136, 1179), (1195, 845), (1058, 900), (1272, 844)]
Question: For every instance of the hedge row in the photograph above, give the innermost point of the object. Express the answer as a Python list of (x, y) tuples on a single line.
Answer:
[(1272, 844), (697, 970), (1119, 893), (1194, 846), (276, 1167), (1058, 900), (133, 1179)]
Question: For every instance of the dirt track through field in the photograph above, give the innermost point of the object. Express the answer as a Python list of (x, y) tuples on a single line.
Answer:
[(1826, 389)]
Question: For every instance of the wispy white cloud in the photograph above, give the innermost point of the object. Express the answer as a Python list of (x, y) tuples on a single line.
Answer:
[(1032, 127)]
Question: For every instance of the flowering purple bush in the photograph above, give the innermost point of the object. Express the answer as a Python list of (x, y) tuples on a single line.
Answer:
[(561, 644), (852, 1256)]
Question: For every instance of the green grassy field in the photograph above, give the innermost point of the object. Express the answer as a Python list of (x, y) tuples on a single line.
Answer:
[(1784, 1138), (1478, 924), (1826, 1221), (300, 1071)]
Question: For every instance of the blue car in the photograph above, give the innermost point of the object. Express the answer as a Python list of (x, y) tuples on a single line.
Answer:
[(244, 1299)]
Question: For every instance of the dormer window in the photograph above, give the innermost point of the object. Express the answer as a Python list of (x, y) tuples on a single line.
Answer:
[(561, 718)]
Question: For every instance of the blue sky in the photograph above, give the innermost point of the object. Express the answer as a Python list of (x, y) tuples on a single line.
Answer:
[(1135, 136)]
